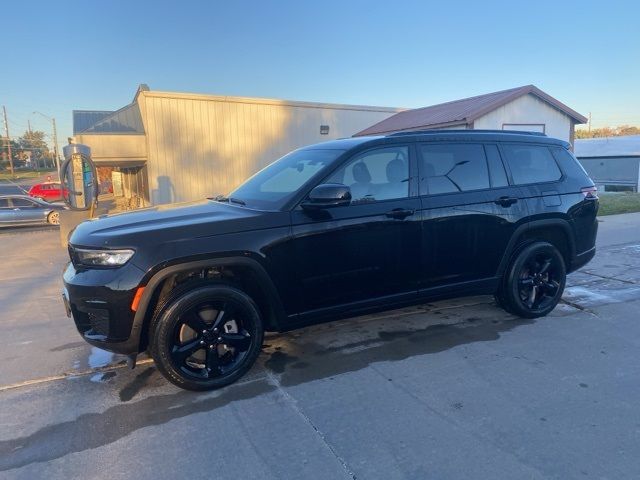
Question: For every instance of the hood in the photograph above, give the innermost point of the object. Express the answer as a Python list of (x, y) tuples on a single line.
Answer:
[(168, 223)]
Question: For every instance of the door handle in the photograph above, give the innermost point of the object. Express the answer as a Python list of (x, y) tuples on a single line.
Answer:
[(400, 213), (506, 201)]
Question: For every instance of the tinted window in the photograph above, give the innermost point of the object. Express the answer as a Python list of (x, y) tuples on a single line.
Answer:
[(531, 164), (22, 202), (569, 164), (496, 168), (4, 203), (450, 168), (380, 174), (277, 183)]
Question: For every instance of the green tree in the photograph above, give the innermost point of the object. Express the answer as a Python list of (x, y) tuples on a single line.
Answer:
[(32, 144), (4, 154)]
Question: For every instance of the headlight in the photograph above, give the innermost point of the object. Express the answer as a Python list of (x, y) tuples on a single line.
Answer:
[(103, 258)]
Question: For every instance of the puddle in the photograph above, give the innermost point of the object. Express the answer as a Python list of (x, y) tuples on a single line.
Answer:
[(594, 296), (100, 358), (102, 377)]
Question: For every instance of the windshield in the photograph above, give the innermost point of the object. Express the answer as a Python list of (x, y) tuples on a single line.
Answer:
[(273, 186)]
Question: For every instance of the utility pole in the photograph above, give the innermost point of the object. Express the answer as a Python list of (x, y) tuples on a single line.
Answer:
[(589, 122), (6, 131), (55, 147), (55, 140)]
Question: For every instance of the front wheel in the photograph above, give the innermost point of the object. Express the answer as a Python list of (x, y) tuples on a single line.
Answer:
[(534, 281), (207, 337)]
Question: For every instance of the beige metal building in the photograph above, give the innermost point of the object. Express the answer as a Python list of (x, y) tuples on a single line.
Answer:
[(168, 147), (524, 108)]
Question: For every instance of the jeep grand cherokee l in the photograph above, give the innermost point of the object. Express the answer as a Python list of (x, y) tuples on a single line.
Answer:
[(333, 230)]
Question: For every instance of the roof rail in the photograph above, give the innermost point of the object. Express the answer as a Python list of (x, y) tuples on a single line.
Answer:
[(434, 131)]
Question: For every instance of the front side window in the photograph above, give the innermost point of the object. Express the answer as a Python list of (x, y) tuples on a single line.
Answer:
[(531, 164), (273, 186), (452, 168), (22, 203), (380, 174)]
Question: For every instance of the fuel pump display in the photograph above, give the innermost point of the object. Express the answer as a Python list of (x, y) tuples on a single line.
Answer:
[(79, 178)]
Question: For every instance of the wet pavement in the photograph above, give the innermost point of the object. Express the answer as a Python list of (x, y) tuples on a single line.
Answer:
[(453, 389)]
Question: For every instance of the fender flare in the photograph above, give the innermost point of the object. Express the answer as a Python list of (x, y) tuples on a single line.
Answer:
[(160, 276), (532, 225)]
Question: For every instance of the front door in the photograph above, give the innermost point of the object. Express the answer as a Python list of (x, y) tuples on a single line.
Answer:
[(27, 211), (366, 251)]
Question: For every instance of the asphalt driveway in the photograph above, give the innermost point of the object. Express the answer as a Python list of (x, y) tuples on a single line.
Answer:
[(455, 389)]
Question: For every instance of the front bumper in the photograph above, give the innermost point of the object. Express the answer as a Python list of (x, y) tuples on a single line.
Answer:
[(99, 301)]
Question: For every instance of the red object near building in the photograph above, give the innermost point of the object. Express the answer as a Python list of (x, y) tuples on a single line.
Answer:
[(49, 191)]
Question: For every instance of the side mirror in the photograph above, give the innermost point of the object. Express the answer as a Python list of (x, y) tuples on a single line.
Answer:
[(328, 195)]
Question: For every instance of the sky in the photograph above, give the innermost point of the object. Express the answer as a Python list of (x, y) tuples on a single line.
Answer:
[(61, 56)]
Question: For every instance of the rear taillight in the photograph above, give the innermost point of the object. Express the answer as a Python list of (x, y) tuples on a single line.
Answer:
[(590, 193)]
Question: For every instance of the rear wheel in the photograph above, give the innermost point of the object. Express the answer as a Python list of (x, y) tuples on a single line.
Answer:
[(207, 337), (534, 281), (53, 218)]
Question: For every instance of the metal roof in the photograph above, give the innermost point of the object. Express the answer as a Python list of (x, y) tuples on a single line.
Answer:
[(627, 146), (125, 120), (83, 119), (462, 112), (262, 101)]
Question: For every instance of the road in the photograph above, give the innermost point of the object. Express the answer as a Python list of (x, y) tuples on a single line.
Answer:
[(454, 389)]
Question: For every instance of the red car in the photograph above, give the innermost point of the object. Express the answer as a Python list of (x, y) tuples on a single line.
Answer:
[(49, 191)]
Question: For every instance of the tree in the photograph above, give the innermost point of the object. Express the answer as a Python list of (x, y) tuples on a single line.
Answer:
[(4, 155), (608, 132), (33, 146)]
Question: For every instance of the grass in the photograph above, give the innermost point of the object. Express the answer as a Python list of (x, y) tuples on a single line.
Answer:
[(22, 174), (614, 203)]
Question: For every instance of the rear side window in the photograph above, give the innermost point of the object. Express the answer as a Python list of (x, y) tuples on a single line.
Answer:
[(569, 164), (452, 168), (531, 164), (4, 203)]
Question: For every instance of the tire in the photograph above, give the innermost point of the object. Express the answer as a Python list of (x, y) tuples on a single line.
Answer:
[(534, 281), (207, 337), (53, 218)]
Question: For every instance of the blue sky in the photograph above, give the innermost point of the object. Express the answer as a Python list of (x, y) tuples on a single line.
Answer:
[(92, 55)]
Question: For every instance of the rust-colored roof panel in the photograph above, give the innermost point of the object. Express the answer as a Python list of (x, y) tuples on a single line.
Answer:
[(461, 111)]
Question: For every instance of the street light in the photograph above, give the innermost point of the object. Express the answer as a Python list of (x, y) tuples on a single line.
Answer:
[(55, 140)]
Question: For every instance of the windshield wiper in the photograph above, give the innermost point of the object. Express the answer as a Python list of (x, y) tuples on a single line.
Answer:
[(222, 198)]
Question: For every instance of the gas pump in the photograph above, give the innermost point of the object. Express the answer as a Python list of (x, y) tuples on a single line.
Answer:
[(79, 179)]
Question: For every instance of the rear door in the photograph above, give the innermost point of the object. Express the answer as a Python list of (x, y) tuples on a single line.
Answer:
[(365, 251), (533, 169), (468, 212)]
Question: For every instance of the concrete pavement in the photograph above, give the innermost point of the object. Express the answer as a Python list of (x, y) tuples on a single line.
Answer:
[(455, 389)]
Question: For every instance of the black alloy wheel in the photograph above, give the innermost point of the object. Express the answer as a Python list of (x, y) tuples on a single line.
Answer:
[(537, 284), (207, 338), (534, 281)]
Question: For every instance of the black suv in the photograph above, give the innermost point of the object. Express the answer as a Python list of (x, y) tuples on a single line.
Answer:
[(333, 230)]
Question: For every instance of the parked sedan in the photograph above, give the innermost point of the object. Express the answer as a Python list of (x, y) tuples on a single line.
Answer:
[(49, 191), (24, 210)]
